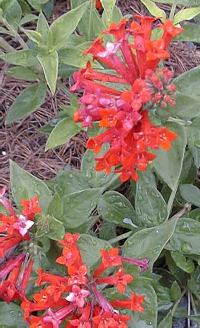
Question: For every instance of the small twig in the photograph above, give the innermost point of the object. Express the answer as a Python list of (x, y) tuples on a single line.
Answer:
[(121, 237), (178, 301), (178, 215), (193, 304), (188, 310)]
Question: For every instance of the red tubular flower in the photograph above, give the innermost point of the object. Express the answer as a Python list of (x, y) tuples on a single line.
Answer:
[(18, 271), (110, 258), (134, 303), (15, 268), (30, 207), (77, 301), (98, 5), (122, 108), (111, 320), (71, 255), (120, 280)]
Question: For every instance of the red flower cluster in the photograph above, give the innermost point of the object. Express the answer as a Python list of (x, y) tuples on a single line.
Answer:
[(15, 265), (121, 96), (77, 300)]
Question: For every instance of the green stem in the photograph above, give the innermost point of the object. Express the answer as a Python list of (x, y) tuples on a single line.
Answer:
[(178, 301), (193, 305), (121, 237), (171, 200)]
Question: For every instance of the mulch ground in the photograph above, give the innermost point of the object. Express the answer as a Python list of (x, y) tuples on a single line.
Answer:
[(25, 144)]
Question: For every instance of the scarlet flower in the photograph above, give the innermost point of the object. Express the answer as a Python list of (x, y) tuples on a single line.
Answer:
[(71, 255), (120, 280), (134, 303), (76, 300), (84, 320), (14, 277), (30, 207), (77, 296), (111, 320), (122, 108), (109, 258), (15, 268)]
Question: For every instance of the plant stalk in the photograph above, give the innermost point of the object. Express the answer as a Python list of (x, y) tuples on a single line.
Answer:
[(121, 237)]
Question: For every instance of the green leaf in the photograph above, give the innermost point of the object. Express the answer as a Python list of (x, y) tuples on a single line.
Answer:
[(55, 207), (116, 208), (43, 27), (186, 237), (150, 206), (20, 57), (186, 14), (48, 226), (13, 14), (95, 179), (107, 230), (148, 243), (73, 56), (195, 214), (33, 35), (175, 291), (49, 63), (107, 15), (24, 186), (27, 102), (188, 94), (37, 4), (175, 271), (70, 181), (63, 131), (22, 73), (188, 173), (190, 33), (91, 24), (191, 194), (169, 164), (90, 248), (196, 156), (28, 18), (167, 321), (154, 9), (117, 15), (11, 316), (78, 207), (64, 26), (184, 264), (163, 293), (193, 132)]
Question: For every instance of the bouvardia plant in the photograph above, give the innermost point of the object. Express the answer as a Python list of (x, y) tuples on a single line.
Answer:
[(116, 243)]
